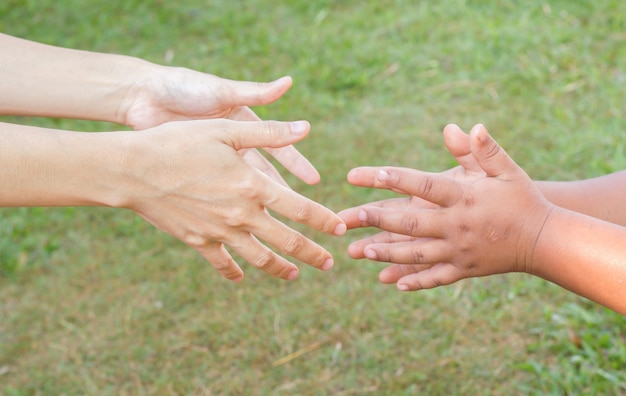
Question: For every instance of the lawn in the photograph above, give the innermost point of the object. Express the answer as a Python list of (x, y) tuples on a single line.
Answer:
[(95, 301)]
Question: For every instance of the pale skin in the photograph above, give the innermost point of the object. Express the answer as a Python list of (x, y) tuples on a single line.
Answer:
[(488, 217), (201, 180)]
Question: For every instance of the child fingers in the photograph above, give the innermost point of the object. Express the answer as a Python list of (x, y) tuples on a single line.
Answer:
[(416, 252), (416, 223), (440, 274), (435, 188)]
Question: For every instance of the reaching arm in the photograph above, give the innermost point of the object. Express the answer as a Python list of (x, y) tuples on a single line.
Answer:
[(185, 178), (44, 80), (454, 227), (601, 197)]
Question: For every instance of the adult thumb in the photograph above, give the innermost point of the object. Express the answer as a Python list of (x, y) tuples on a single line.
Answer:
[(490, 156), (262, 134), (249, 93)]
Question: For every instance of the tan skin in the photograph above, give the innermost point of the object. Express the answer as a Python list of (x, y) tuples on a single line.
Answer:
[(488, 217), (201, 180)]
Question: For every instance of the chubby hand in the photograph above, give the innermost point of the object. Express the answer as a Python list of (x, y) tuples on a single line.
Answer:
[(478, 219), (187, 179), (168, 94)]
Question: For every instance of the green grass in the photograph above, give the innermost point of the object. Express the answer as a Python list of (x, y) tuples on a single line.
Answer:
[(95, 301)]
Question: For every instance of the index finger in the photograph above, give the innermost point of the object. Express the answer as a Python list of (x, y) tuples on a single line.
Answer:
[(298, 208), (432, 187), (287, 156), (351, 215)]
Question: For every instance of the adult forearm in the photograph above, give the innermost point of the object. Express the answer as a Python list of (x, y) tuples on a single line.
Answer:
[(601, 197), (44, 167), (584, 255), (43, 80)]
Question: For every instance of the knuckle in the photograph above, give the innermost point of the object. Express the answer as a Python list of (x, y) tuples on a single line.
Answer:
[(195, 240), (227, 267), (492, 149), (373, 219), (236, 217), (303, 212), (410, 225), (269, 128), (468, 200), (264, 260), (293, 245), (425, 188), (418, 256), (249, 187)]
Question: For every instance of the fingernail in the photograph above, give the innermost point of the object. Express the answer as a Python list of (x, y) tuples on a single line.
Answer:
[(383, 175), (340, 229), (328, 264), (299, 127), (370, 254), (292, 275), (403, 287)]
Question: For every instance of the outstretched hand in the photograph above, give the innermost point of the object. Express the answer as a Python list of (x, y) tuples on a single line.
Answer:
[(179, 94), (481, 218), (187, 179)]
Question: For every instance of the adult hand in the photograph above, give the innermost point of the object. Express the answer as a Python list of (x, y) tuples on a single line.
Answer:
[(473, 225), (167, 94), (187, 179)]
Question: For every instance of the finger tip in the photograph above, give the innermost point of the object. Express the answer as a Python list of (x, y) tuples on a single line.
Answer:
[(354, 251), (403, 287), (312, 179), (287, 79), (293, 275), (340, 229), (238, 279), (352, 174)]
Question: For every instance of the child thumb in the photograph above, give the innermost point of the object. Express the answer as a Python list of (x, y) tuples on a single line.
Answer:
[(489, 154)]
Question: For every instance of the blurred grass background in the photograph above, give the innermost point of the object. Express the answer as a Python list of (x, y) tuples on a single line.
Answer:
[(97, 302)]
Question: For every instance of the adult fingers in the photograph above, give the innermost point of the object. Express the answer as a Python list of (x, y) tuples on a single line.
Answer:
[(221, 260), (243, 113), (287, 156), (265, 134), (260, 256), (256, 159), (296, 163), (291, 242), (295, 207)]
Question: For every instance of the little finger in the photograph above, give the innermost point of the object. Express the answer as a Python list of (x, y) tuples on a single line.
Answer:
[(261, 257), (221, 260)]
